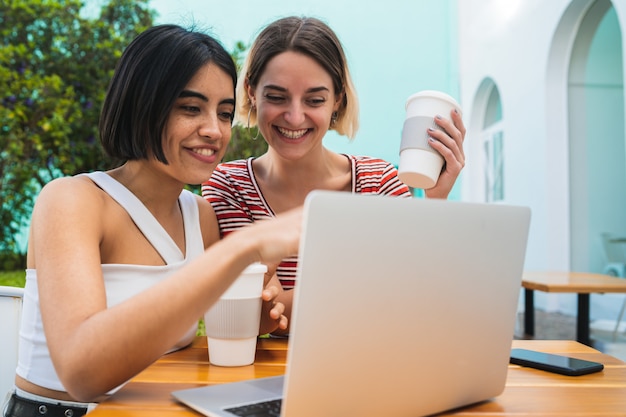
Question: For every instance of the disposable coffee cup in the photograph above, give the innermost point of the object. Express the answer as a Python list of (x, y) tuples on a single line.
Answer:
[(232, 324), (420, 164)]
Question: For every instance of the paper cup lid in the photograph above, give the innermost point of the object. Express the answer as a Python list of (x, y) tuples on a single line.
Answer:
[(434, 94)]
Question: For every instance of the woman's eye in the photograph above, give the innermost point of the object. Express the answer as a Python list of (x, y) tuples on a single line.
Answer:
[(316, 101), (190, 109), (226, 116), (274, 98)]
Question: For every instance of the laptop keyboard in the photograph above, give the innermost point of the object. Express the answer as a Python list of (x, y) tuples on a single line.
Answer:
[(263, 409)]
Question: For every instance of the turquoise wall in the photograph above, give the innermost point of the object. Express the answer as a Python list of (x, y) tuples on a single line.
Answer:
[(597, 151), (395, 48)]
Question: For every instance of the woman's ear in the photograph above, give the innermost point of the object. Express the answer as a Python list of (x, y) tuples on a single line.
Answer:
[(338, 101), (250, 92)]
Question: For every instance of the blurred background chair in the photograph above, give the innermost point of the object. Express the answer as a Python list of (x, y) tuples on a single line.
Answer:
[(10, 314), (615, 253)]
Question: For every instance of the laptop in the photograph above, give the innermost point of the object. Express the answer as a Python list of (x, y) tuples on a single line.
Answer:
[(402, 307)]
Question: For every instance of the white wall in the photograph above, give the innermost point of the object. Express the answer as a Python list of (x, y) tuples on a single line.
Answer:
[(523, 46), (509, 42)]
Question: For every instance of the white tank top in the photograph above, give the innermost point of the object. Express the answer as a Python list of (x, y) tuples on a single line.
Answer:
[(121, 281)]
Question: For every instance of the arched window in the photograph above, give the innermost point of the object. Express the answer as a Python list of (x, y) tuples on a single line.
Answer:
[(493, 150)]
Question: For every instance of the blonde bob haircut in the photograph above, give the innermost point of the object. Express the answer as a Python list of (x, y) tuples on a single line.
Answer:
[(315, 39)]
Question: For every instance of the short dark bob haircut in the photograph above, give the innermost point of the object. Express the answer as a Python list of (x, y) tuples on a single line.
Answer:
[(153, 70)]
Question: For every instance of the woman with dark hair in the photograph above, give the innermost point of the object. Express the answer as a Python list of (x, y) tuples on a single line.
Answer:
[(295, 86), (118, 267)]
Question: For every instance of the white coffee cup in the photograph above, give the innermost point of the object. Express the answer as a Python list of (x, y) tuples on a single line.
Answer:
[(420, 164), (232, 324)]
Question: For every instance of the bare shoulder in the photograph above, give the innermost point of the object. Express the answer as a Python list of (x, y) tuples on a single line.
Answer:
[(70, 193), (67, 210), (208, 222), (71, 203)]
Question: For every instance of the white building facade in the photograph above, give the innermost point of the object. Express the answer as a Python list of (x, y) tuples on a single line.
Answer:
[(542, 87)]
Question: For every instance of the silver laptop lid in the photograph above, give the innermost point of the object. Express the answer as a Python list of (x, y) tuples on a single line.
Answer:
[(403, 307)]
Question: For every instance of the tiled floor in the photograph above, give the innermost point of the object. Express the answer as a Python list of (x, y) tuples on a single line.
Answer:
[(557, 326), (611, 342)]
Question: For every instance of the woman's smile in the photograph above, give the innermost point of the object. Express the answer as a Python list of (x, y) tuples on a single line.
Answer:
[(292, 134)]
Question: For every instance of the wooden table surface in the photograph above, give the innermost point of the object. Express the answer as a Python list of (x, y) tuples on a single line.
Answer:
[(528, 392), (580, 283), (572, 282)]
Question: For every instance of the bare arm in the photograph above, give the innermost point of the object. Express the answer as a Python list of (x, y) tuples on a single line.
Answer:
[(94, 349)]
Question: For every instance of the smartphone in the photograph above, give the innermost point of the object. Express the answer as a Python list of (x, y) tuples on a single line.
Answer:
[(554, 363)]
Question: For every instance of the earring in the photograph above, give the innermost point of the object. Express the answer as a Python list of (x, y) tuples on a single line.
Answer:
[(333, 119), (257, 130)]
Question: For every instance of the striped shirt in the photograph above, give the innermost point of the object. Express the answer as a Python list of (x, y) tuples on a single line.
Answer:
[(238, 201)]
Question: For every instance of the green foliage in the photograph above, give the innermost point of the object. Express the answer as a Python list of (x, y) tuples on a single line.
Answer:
[(10, 261), (201, 328), (242, 143), (13, 278), (55, 67)]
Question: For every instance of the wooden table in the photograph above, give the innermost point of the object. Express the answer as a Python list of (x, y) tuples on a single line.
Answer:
[(581, 283), (528, 392)]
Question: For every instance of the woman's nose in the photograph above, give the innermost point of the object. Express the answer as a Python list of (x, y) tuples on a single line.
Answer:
[(209, 127), (295, 114)]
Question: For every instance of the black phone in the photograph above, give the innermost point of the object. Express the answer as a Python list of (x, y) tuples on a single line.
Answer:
[(554, 363)]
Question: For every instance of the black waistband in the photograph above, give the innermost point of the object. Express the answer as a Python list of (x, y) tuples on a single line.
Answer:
[(22, 407)]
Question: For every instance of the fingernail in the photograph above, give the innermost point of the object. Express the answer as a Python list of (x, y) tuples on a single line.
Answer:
[(430, 129), (438, 117)]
